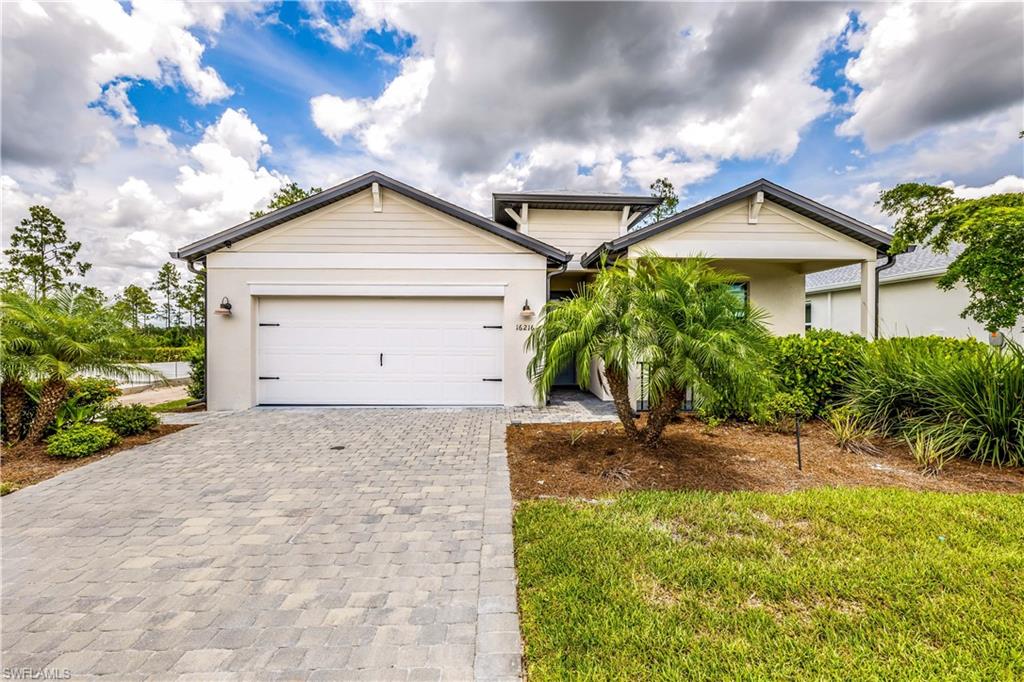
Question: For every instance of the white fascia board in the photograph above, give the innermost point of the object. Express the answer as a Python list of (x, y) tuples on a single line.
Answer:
[(375, 261), (378, 290)]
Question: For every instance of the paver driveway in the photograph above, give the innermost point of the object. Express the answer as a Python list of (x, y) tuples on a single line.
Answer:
[(320, 544)]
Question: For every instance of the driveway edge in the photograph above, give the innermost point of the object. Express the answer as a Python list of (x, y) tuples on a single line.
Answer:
[(498, 645)]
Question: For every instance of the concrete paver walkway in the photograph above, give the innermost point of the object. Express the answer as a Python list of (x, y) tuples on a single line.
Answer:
[(276, 544)]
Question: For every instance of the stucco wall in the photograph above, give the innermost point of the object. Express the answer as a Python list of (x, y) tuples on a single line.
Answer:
[(909, 308)]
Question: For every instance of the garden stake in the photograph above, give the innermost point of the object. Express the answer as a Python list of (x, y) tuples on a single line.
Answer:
[(799, 461)]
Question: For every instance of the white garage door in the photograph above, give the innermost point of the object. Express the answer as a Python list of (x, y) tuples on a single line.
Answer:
[(379, 351)]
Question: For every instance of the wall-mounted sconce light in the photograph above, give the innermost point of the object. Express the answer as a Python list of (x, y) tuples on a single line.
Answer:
[(224, 308), (526, 311)]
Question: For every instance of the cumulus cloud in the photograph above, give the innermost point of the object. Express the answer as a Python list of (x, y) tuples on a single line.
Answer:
[(171, 197), (692, 84), (1004, 185), (59, 58), (928, 64)]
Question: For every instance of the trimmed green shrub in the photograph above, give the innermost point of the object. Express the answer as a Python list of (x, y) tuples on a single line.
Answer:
[(781, 410), (129, 420), (197, 372), (817, 365), (80, 440)]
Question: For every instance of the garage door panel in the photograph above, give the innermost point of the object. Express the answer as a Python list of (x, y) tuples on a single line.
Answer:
[(328, 351)]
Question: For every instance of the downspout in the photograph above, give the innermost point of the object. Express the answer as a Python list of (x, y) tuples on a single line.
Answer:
[(552, 273), (190, 264), (890, 260)]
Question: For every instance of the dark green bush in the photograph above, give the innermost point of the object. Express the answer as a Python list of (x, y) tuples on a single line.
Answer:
[(129, 420), (80, 440), (818, 366), (197, 372)]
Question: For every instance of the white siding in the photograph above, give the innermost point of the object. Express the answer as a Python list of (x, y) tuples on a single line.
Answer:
[(351, 226), (575, 232), (779, 234)]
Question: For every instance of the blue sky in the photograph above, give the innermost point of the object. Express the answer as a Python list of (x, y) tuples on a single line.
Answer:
[(176, 120)]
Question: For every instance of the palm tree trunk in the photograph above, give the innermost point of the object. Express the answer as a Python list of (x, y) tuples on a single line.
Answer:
[(50, 398), (13, 405), (618, 386), (660, 415)]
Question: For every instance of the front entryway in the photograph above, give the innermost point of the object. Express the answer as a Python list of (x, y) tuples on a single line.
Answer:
[(379, 351)]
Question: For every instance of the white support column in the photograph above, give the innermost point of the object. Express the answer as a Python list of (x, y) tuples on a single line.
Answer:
[(524, 226), (868, 299)]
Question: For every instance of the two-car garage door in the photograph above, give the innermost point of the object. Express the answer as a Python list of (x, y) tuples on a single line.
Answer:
[(379, 351)]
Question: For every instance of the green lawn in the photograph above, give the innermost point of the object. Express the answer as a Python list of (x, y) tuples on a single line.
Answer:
[(171, 405), (838, 584)]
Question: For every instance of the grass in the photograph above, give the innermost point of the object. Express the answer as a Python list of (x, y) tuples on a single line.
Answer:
[(820, 584), (171, 405)]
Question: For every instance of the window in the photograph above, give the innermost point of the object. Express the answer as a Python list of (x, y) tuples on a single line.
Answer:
[(742, 292), (807, 315)]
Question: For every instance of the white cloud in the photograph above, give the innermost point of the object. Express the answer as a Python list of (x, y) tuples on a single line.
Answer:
[(337, 117), (930, 64), (475, 101), (170, 197), (646, 169), (59, 58), (1004, 185), (377, 123)]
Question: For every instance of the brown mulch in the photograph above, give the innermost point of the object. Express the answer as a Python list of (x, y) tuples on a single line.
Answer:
[(28, 464), (544, 462)]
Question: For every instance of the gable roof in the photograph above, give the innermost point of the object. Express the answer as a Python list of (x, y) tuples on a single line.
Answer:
[(922, 262), (566, 200), (780, 195), (225, 238)]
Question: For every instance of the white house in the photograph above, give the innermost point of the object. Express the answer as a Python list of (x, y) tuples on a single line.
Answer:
[(910, 303), (376, 293)]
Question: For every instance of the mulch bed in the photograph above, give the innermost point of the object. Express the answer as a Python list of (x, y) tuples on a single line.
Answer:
[(25, 465), (544, 462)]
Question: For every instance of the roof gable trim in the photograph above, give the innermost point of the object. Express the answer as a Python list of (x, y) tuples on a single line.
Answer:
[(225, 238)]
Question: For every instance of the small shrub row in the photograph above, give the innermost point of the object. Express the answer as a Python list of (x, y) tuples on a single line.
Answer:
[(130, 420), (80, 440)]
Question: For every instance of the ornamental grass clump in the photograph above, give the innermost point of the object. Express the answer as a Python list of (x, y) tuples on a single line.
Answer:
[(968, 402), (852, 432)]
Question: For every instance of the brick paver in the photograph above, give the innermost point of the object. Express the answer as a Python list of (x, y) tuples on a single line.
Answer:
[(276, 544)]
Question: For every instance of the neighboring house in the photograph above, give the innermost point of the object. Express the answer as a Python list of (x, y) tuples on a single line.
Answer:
[(910, 302), (376, 293)]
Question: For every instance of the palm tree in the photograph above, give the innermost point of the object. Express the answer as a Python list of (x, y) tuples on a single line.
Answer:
[(595, 324), (681, 318), (15, 369), (695, 331), (59, 338)]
